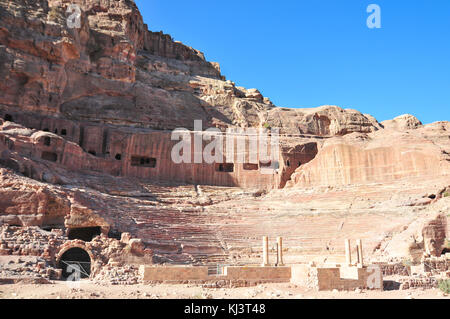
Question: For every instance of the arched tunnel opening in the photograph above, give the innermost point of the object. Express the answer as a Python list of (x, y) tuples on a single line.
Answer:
[(84, 234), (75, 262)]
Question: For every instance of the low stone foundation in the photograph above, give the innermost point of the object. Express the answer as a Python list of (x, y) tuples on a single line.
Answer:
[(340, 278), (235, 276), (173, 274)]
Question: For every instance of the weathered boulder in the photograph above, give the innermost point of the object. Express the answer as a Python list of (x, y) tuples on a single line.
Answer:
[(424, 236), (322, 121), (434, 234), (25, 202)]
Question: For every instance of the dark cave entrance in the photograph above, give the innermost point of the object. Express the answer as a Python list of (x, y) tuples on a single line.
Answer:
[(73, 261), (225, 167), (84, 234), (8, 118), (143, 161)]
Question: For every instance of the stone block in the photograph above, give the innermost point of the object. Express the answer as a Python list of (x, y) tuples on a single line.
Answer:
[(177, 274)]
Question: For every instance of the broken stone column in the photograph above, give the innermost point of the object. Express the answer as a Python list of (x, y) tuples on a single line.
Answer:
[(348, 254), (265, 251), (360, 253), (280, 262)]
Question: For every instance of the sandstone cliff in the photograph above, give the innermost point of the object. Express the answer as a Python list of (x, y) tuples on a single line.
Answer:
[(83, 107), (113, 70)]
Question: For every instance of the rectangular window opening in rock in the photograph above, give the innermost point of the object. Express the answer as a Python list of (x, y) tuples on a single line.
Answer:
[(224, 167), (250, 167)]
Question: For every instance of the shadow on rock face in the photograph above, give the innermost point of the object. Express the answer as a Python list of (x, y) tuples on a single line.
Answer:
[(389, 285)]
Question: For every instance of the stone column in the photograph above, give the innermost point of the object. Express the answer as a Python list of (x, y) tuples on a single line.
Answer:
[(265, 251), (280, 262), (348, 254), (360, 253), (357, 255)]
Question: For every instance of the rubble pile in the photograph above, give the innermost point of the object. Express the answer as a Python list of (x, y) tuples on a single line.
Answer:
[(125, 275)]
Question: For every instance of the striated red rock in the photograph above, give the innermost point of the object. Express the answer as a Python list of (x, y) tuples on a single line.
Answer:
[(28, 203), (402, 122), (379, 157), (100, 90)]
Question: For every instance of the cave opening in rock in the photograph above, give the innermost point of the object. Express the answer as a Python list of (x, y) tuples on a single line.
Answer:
[(8, 118), (47, 141), (73, 261), (63, 131), (49, 156), (84, 233), (118, 157)]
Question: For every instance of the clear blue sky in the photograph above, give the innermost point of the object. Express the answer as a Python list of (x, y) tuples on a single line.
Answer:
[(307, 53)]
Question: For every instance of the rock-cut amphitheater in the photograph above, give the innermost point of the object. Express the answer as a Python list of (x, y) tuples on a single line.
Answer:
[(86, 171)]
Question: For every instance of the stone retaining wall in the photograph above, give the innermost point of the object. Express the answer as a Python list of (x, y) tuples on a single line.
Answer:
[(233, 276)]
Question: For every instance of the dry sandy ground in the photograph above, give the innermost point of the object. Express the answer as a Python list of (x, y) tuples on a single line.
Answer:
[(89, 290)]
